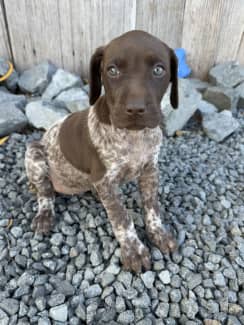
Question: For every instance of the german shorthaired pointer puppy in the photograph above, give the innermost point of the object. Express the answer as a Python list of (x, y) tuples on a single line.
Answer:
[(116, 140)]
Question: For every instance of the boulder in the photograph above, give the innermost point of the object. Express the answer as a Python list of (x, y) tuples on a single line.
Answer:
[(61, 80), (12, 82), (221, 97), (228, 74), (175, 119), (74, 99), (36, 79), (198, 84), (12, 119), (43, 114), (206, 108), (218, 126), (7, 97), (240, 95)]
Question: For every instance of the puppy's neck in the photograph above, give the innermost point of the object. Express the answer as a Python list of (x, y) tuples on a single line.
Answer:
[(102, 110)]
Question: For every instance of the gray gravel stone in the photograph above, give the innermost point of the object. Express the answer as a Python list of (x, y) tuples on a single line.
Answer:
[(12, 119), (59, 313), (162, 310), (40, 303), (148, 279), (93, 291), (227, 74), (56, 299), (219, 279), (44, 114), (56, 239), (4, 319), (219, 125), (142, 302), (96, 258), (61, 81), (36, 79), (126, 317), (107, 279), (189, 307), (10, 306), (164, 276)]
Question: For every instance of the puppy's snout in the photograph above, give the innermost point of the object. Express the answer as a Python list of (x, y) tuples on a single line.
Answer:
[(135, 110)]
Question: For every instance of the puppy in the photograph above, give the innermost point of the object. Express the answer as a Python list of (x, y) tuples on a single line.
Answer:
[(116, 140)]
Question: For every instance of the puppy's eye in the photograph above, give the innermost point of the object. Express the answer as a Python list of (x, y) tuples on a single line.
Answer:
[(158, 71), (113, 71)]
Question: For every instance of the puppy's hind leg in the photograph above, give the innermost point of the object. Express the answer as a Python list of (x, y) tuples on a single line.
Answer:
[(37, 170)]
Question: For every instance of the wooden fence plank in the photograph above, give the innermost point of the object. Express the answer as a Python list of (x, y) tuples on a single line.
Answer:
[(96, 22), (4, 46), (201, 28), (34, 31), (230, 31), (240, 53), (162, 18)]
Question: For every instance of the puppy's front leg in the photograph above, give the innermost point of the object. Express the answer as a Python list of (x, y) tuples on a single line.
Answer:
[(134, 254), (148, 183)]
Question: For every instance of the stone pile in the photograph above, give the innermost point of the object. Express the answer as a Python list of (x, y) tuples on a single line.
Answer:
[(217, 102), (47, 94)]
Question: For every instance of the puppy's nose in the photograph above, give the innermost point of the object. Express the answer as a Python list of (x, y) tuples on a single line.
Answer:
[(135, 110)]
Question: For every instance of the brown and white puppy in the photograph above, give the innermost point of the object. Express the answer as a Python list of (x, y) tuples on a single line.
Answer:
[(116, 140)]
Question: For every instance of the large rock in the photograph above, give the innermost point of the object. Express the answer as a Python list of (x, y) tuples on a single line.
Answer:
[(62, 80), (6, 97), (43, 114), (206, 108), (12, 81), (36, 79), (12, 119), (228, 74), (219, 125), (198, 84), (175, 119), (240, 95), (221, 97), (74, 99)]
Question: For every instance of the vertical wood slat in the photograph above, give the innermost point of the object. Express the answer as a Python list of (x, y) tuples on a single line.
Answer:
[(212, 32), (202, 20), (4, 46), (162, 18), (34, 31), (231, 30), (97, 23), (240, 53)]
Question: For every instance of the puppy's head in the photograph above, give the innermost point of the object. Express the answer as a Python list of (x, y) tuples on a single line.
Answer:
[(135, 69)]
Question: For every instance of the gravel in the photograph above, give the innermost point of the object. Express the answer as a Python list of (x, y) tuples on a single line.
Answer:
[(74, 276)]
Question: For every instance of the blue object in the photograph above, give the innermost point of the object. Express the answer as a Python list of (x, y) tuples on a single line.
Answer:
[(183, 69)]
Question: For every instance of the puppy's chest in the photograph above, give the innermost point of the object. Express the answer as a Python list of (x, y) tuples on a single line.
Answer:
[(126, 153)]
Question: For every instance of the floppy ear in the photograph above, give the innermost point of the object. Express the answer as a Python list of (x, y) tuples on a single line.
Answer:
[(95, 75), (174, 98)]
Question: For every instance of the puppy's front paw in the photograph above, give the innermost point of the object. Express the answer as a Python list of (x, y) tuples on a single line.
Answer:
[(43, 221), (135, 256), (163, 239)]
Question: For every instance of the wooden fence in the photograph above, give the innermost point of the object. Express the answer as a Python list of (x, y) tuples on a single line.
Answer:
[(68, 31)]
